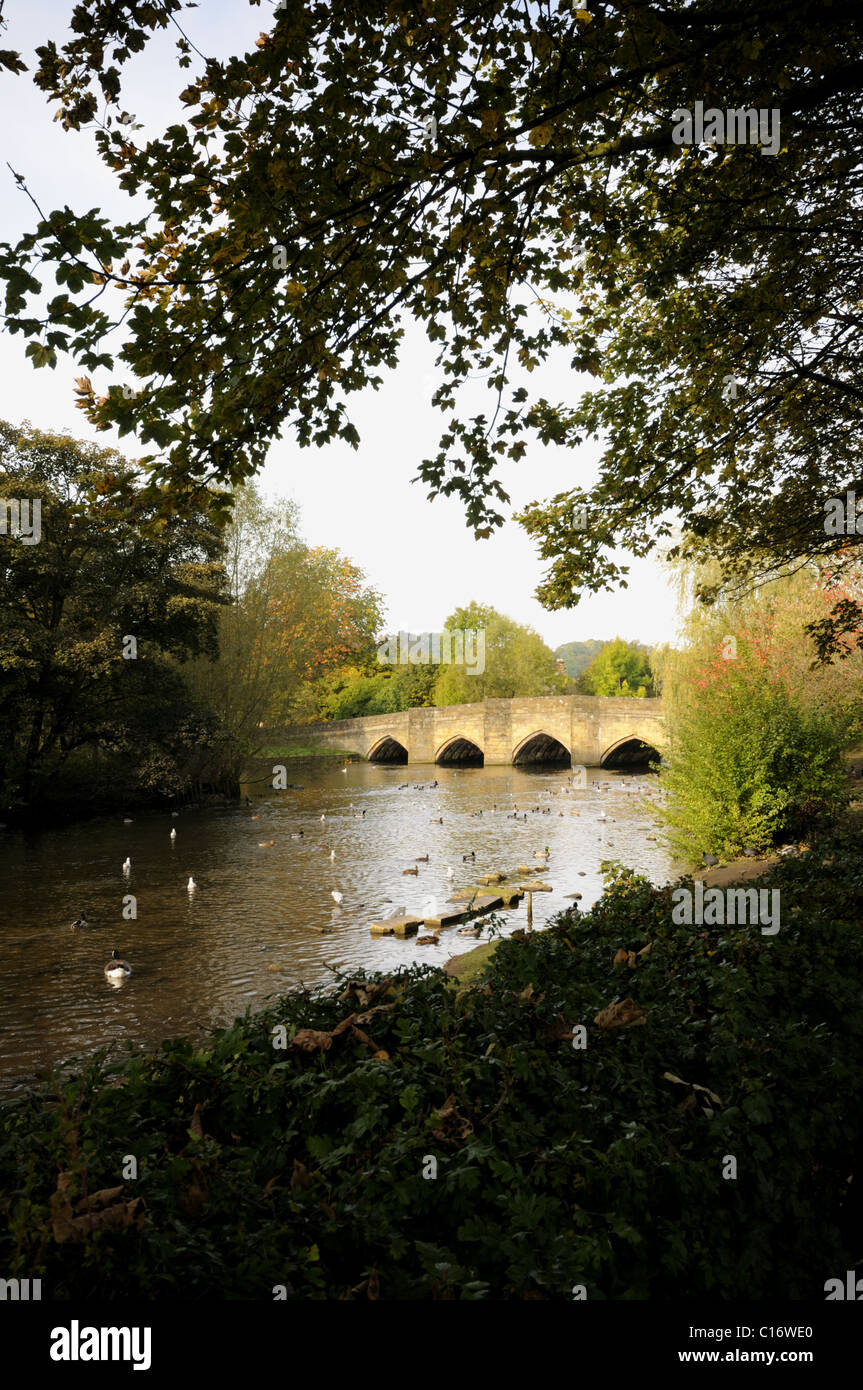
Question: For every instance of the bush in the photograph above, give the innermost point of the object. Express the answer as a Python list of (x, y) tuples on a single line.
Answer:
[(749, 765)]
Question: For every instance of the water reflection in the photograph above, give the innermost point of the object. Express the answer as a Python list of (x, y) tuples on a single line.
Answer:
[(247, 900)]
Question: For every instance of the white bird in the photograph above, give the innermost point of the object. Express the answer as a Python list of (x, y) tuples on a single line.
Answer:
[(602, 815), (173, 833), (344, 769), (450, 873), (191, 885), (323, 817), (332, 854), (336, 896), (175, 814), (127, 820), (127, 866)]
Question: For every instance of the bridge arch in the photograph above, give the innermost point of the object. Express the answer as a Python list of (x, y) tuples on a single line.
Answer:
[(630, 751), (540, 747), (387, 750), (460, 750)]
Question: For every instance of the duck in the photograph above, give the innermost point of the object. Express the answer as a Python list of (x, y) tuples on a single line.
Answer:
[(337, 897), (469, 858), (297, 834), (421, 859), (469, 931), (191, 885), (410, 871), (117, 969), (127, 866), (80, 923), (427, 940), (265, 844)]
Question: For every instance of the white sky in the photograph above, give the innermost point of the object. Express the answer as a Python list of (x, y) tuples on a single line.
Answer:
[(419, 554)]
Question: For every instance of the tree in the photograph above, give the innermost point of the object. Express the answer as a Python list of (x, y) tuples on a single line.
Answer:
[(620, 668), (508, 660), (757, 734), (512, 180), (96, 617), (298, 613)]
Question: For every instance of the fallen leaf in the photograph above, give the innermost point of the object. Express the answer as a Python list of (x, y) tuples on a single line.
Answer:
[(312, 1040), (623, 1015)]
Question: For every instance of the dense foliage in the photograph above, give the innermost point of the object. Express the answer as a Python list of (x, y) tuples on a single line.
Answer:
[(96, 618), (556, 1166), (620, 668), (756, 735), (304, 207), (577, 656)]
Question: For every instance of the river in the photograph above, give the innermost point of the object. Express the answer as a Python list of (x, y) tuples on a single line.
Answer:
[(261, 918)]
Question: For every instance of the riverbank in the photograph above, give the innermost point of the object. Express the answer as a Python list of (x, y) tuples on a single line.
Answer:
[(567, 1122)]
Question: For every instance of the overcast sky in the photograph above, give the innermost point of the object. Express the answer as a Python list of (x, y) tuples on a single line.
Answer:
[(419, 554)]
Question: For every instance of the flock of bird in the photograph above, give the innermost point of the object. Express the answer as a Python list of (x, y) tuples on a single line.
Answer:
[(117, 969)]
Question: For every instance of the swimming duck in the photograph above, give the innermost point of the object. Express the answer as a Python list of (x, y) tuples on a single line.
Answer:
[(191, 885), (117, 969), (80, 923), (410, 871)]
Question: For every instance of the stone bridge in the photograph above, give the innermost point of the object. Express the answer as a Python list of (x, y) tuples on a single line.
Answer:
[(592, 731)]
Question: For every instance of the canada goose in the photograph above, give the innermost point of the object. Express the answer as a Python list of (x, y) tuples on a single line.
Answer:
[(80, 923), (173, 833), (127, 866), (337, 897), (117, 968), (191, 885)]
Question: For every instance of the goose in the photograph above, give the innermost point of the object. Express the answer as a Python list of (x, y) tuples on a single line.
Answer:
[(191, 885), (117, 969), (80, 923), (127, 866), (173, 833), (337, 897)]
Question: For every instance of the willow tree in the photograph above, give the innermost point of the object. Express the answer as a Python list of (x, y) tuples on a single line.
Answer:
[(517, 179)]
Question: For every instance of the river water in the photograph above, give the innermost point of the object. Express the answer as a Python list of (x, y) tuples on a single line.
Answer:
[(262, 917)]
